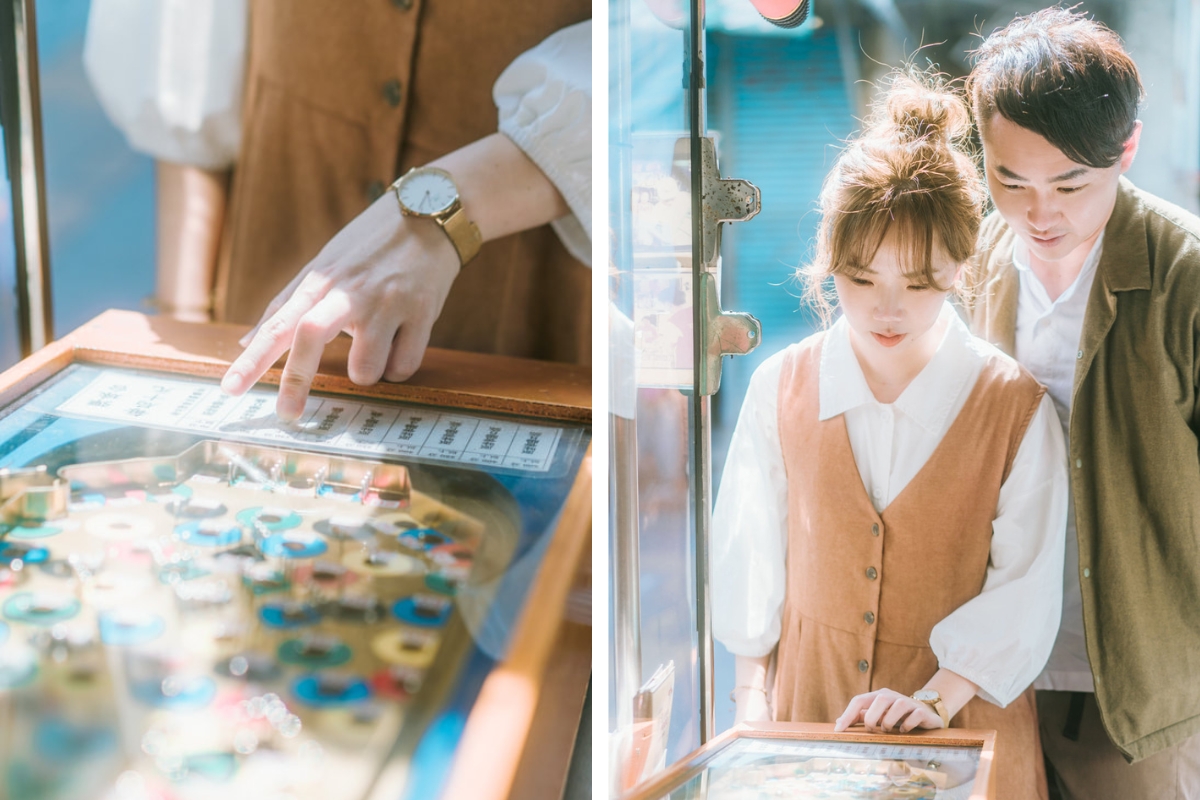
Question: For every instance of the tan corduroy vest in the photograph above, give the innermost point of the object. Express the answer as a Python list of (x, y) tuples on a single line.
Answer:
[(341, 99), (864, 590)]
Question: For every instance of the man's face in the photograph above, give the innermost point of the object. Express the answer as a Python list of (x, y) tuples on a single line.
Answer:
[(1055, 205)]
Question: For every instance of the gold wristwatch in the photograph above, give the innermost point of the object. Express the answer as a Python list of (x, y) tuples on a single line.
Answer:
[(934, 700), (430, 192)]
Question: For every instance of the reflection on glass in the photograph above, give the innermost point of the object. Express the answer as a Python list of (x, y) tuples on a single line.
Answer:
[(99, 192), (754, 769), (195, 595)]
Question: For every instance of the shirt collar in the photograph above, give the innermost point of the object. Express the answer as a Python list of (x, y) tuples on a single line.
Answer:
[(926, 401), (1020, 260)]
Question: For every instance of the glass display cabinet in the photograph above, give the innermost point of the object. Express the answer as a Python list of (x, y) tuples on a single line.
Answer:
[(754, 761)]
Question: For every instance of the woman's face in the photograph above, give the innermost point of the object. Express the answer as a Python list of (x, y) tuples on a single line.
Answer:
[(891, 313)]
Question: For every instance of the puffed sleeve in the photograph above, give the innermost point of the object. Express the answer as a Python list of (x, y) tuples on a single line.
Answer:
[(169, 74), (545, 103), (1001, 639), (749, 525)]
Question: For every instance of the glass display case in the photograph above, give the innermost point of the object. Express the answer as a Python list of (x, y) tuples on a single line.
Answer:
[(754, 761), (196, 598)]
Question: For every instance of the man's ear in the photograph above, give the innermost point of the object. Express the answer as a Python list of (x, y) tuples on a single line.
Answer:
[(1131, 147)]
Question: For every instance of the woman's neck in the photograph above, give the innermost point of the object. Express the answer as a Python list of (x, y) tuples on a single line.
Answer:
[(889, 373)]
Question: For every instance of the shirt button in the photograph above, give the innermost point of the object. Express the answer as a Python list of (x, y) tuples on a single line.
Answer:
[(391, 93), (1079, 463), (1079, 355), (875, 529), (871, 573), (869, 617), (375, 190), (1087, 573), (863, 666)]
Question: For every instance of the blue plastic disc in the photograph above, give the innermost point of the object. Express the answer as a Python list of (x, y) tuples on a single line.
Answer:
[(423, 539), (209, 535), (293, 545), (40, 532), (289, 615), (59, 741), (442, 584), (428, 612), (130, 629), (40, 608), (176, 694), (330, 690), (274, 519), (298, 651), (183, 571), (11, 551)]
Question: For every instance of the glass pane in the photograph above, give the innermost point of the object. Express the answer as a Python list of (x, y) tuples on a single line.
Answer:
[(651, 341), (10, 332), (99, 192), (207, 601)]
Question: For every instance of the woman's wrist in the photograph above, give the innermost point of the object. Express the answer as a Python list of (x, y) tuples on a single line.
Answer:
[(955, 690)]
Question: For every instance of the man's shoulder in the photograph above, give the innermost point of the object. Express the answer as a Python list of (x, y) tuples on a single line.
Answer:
[(1172, 235)]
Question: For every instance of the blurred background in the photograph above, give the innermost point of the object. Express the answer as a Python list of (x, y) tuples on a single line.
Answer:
[(779, 102)]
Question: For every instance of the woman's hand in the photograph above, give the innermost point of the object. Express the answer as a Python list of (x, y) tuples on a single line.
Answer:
[(382, 279), (888, 711)]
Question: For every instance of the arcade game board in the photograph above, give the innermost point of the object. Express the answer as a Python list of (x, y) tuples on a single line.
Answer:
[(758, 761), (197, 600)]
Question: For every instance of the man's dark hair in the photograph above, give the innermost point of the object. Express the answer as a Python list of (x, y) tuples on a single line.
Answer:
[(1063, 76)]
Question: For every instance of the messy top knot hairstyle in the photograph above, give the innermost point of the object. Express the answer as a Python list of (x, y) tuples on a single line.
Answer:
[(907, 173), (1063, 76)]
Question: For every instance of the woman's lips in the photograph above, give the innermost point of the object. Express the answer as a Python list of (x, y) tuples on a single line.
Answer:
[(1048, 241), (888, 341)]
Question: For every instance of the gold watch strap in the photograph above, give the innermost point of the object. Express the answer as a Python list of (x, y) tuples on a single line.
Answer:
[(463, 233), (939, 708)]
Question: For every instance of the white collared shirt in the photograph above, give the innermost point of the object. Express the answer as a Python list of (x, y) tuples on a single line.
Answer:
[(1048, 334), (1000, 639)]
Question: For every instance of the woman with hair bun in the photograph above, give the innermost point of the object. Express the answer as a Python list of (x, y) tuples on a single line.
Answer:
[(888, 536)]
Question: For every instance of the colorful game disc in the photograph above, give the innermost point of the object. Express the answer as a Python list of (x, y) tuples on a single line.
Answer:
[(176, 693), (37, 532), (264, 579), (423, 610), (12, 551), (286, 615), (314, 652), (181, 571), (330, 689), (118, 525), (209, 533), (57, 568), (383, 564), (443, 584), (453, 555), (128, 627), (294, 544), (423, 539), (361, 608), (406, 647), (272, 518), (397, 682), (40, 608), (217, 766)]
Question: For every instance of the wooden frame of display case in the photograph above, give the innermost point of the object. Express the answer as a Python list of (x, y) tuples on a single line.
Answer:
[(686, 768), (521, 730)]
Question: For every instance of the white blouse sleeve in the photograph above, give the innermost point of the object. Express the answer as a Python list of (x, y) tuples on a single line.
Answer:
[(1001, 639), (169, 74), (545, 103), (749, 525)]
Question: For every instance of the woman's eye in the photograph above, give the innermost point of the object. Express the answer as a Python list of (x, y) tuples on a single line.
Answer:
[(919, 287), (860, 281)]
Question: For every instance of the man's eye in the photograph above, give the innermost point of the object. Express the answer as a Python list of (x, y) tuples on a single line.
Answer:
[(1069, 189), (1011, 186)]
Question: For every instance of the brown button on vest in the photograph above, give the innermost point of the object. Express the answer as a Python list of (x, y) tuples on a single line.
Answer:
[(864, 590), (344, 97)]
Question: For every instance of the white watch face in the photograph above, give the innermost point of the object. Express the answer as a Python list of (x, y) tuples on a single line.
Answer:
[(427, 192)]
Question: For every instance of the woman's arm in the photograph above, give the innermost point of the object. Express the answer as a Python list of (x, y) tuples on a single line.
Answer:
[(190, 205)]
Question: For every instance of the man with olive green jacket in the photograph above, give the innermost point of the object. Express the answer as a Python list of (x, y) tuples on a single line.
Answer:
[(1094, 286)]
